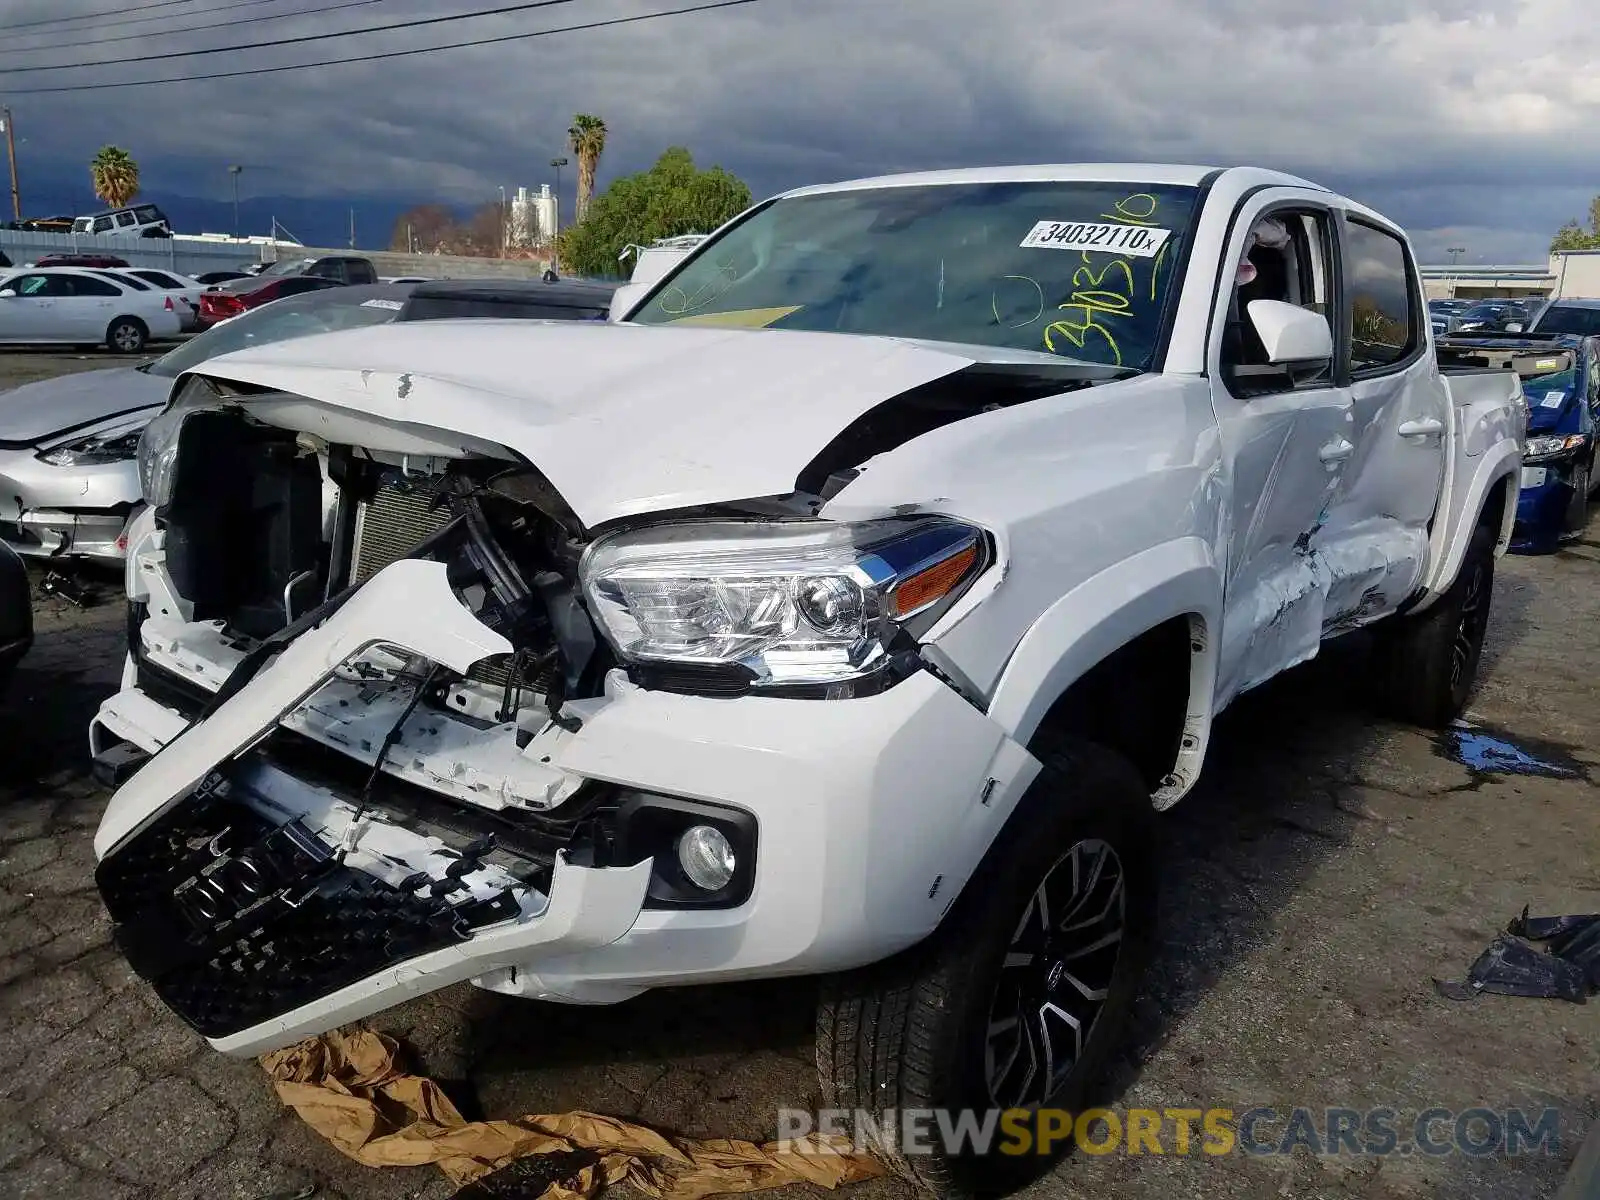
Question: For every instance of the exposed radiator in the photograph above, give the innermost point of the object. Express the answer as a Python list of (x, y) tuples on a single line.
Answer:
[(392, 524)]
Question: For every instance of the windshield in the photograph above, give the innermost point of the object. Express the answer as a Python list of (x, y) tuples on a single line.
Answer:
[(292, 317), (1569, 318), (287, 266), (1076, 269)]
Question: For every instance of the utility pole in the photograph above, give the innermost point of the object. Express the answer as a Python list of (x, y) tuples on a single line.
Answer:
[(352, 227), (11, 157), (235, 171), (502, 221)]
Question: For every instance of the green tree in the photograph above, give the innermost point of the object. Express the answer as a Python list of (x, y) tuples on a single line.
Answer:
[(115, 176), (673, 197), (588, 140), (1573, 236)]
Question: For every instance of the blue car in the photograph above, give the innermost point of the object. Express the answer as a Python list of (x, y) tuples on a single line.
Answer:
[(1561, 380)]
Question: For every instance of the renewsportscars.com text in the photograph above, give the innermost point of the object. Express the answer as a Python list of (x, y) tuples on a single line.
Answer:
[(1379, 1132)]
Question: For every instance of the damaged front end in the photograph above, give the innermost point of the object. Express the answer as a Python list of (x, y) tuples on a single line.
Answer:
[(356, 668)]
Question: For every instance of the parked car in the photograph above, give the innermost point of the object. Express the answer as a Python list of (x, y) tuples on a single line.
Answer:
[(175, 301), (230, 299), (86, 307), (1561, 381), (80, 260), (1444, 315), (845, 599), (517, 299), (139, 220), (69, 477), (1575, 316), (1492, 315), (178, 286), (16, 614), (211, 278), (341, 268)]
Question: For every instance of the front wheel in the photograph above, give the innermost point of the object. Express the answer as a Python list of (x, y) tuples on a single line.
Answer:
[(127, 336), (1019, 999), (1428, 663), (1578, 507)]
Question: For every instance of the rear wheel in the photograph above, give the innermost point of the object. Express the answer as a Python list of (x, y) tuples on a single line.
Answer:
[(1020, 998), (127, 335), (1428, 663)]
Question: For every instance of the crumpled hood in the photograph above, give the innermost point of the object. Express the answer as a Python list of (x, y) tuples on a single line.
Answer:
[(622, 419), (35, 412)]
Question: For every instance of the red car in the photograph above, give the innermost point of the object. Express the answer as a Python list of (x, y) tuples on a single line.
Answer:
[(230, 299), (101, 261)]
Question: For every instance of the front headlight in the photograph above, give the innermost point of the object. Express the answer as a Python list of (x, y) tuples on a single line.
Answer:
[(117, 445), (157, 453), (781, 605), (1552, 446)]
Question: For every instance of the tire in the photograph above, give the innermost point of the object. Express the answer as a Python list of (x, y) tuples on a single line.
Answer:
[(918, 1031), (127, 335), (1578, 508), (1429, 663)]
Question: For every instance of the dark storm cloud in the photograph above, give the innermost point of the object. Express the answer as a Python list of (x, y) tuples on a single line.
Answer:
[(1461, 119)]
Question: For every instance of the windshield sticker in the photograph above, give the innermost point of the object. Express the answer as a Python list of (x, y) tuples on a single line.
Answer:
[(1548, 364), (1141, 241), (394, 304), (1552, 399), (1104, 296), (740, 318)]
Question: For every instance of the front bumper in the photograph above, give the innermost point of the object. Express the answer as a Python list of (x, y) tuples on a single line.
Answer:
[(1543, 503), (872, 813), (82, 512)]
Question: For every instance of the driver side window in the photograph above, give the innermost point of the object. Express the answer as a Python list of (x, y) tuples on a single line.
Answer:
[(1286, 257)]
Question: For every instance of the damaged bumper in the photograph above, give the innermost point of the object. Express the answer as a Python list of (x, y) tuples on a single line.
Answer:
[(267, 901), (80, 511)]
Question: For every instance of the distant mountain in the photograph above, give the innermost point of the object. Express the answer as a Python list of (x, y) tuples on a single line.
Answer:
[(321, 221)]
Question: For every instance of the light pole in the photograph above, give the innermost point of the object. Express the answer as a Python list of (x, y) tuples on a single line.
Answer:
[(502, 221), (1455, 253), (236, 171), (558, 163)]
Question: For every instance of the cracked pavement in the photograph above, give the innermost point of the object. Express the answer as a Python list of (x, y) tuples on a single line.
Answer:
[(1329, 866)]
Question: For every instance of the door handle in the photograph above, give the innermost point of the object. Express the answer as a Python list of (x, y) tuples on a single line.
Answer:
[(1425, 427), (1336, 452)]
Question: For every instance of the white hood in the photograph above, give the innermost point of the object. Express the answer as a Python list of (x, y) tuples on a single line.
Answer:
[(622, 419)]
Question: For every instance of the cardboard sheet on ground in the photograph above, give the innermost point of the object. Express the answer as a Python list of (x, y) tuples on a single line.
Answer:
[(348, 1087)]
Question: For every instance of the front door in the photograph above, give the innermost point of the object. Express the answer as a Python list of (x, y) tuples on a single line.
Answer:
[(1285, 444), (27, 308)]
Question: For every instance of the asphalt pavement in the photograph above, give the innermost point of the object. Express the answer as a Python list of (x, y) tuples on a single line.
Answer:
[(1329, 867)]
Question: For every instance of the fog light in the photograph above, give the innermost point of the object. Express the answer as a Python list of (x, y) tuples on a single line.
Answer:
[(706, 857)]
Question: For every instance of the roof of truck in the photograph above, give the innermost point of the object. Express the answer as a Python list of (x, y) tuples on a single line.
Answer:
[(1178, 174)]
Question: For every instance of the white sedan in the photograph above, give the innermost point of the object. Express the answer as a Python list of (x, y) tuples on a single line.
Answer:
[(174, 285), (81, 306)]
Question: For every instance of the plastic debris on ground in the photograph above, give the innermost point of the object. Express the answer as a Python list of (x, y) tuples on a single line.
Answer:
[(1567, 969), (348, 1087)]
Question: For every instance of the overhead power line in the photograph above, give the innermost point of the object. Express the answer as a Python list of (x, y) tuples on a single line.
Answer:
[(89, 16), (114, 23), (301, 40), (134, 37), (387, 54)]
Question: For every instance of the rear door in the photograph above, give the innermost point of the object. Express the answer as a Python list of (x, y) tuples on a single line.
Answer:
[(1377, 528), (86, 313)]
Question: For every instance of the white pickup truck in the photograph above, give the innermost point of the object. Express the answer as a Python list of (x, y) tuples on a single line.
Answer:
[(850, 608)]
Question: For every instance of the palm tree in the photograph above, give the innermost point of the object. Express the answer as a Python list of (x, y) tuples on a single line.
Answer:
[(588, 139), (115, 176)]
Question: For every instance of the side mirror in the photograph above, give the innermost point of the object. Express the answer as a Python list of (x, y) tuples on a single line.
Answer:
[(1292, 336), (624, 299)]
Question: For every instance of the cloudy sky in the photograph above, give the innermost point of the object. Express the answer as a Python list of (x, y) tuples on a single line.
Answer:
[(1470, 121)]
